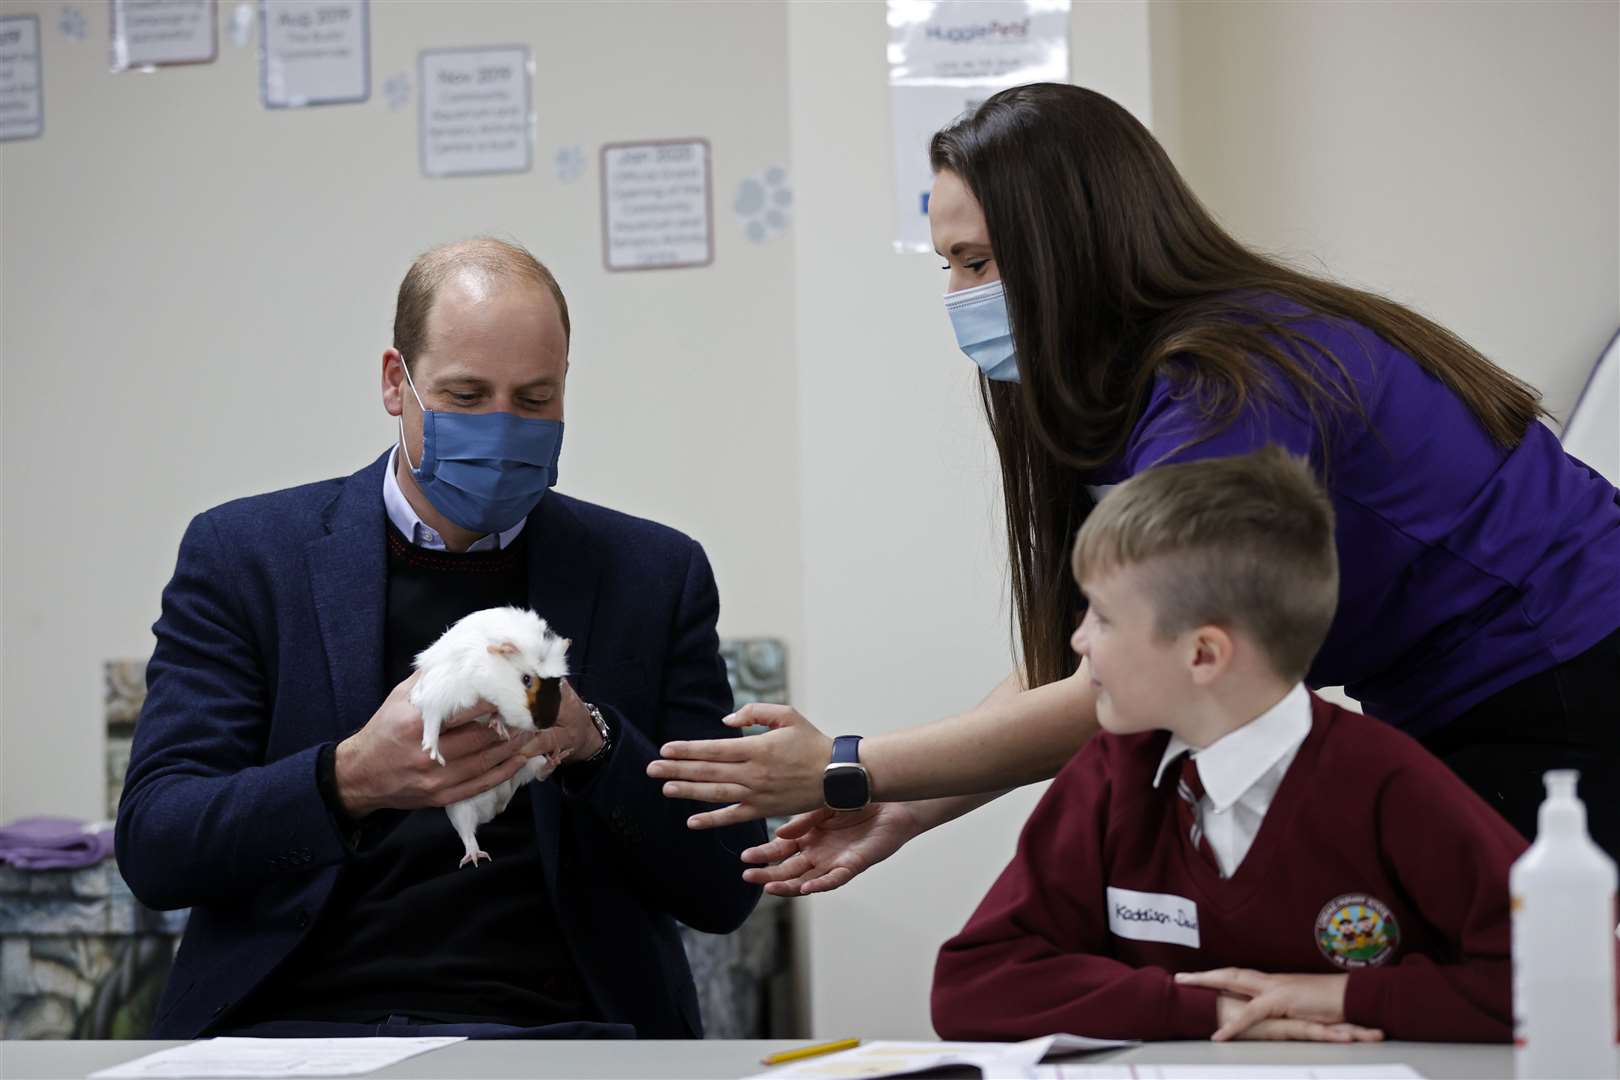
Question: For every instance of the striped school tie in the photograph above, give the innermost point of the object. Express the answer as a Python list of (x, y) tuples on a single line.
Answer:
[(1190, 789)]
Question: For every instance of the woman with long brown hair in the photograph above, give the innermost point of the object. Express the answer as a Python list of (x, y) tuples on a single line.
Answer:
[(1118, 326)]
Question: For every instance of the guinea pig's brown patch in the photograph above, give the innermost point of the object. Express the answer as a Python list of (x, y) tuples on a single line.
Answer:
[(544, 701)]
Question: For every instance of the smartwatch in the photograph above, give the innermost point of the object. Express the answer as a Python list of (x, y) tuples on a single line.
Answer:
[(845, 784)]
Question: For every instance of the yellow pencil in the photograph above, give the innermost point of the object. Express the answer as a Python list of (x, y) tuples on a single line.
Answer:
[(809, 1051)]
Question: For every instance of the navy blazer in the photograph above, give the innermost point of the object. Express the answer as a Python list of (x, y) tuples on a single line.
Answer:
[(270, 645)]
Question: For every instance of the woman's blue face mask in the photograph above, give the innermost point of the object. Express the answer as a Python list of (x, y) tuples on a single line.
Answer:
[(979, 317), (483, 471)]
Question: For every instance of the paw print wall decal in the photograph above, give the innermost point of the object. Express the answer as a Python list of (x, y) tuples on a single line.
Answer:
[(764, 205), (73, 24), (397, 89), (570, 163)]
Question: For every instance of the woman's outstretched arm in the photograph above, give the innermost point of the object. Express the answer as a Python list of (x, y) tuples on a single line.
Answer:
[(1013, 737)]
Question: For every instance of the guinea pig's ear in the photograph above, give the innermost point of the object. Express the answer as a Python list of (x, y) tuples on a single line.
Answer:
[(566, 642), (503, 648)]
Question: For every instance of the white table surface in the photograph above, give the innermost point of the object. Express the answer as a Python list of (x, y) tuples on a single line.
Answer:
[(718, 1058)]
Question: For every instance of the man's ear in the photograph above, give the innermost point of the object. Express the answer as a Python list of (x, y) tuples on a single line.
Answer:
[(504, 648), (1210, 654), (393, 389)]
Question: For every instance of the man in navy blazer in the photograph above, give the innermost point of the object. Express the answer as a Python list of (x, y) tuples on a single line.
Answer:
[(277, 785)]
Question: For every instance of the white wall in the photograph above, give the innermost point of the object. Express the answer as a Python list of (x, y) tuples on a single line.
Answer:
[(197, 293), (1460, 157)]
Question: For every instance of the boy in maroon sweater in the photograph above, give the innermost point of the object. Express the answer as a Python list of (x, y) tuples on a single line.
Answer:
[(1232, 856)]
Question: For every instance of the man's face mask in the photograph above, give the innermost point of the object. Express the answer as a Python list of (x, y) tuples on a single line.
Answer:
[(483, 471), (979, 317)]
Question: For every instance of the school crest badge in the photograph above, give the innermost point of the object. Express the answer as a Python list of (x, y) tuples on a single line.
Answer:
[(1356, 931)]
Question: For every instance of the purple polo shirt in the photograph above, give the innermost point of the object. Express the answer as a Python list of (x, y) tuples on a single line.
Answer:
[(1464, 568)]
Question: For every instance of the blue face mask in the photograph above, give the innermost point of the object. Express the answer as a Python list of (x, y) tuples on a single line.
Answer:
[(979, 317), (484, 471)]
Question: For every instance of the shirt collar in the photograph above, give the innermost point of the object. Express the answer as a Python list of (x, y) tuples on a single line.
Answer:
[(419, 532), (1230, 765)]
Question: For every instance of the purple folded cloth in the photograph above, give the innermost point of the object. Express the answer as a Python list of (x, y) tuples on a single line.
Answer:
[(53, 843)]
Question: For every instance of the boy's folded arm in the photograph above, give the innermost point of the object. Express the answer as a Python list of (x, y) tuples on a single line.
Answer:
[(1451, 854), (1033, 958), (1419, 1000), (1023, 986)]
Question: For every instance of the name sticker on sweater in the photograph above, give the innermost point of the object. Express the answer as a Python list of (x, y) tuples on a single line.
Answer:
[(1152, 916)]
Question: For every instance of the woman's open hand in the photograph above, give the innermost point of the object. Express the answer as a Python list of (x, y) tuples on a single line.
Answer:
[(821, 850), (775, 772)]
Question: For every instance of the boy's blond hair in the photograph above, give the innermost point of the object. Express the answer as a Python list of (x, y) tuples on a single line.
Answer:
[(1241, 542)]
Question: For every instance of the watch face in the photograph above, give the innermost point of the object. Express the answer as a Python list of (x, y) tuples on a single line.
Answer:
[(845, 787)]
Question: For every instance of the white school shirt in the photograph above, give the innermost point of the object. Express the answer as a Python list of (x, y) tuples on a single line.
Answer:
[(1241, 772), (419, 532)]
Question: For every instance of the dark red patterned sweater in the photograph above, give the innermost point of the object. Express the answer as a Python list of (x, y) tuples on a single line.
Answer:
[(1373, 859)]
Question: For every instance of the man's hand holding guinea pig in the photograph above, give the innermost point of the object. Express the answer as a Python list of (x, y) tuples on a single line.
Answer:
[(574, 732), (383, 766)]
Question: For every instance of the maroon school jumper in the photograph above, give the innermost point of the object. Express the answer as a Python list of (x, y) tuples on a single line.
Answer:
[(1373, 859)]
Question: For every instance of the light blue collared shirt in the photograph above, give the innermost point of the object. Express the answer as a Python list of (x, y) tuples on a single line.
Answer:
[(419, 532)]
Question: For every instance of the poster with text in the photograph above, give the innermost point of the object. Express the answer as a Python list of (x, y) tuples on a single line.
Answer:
[(22, 101), (944, 60), (314, 52), (477, 111), (657, 205), (155, 33)]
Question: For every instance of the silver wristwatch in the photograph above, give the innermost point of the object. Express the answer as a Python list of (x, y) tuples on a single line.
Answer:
[(603, 730)]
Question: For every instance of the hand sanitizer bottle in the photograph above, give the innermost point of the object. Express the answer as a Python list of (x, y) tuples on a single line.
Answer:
[(1563, 946)]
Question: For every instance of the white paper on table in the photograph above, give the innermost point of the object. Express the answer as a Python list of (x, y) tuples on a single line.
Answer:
[(997, 1059), (231, 1058), (1225, 1072)]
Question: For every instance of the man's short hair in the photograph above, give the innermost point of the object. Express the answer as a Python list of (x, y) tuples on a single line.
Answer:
[(496, 258), (1240, 542)]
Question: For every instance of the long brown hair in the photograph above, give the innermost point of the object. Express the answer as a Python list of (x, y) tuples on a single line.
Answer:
[(1113, 272)]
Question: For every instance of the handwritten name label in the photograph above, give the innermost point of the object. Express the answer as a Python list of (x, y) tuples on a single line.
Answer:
[(1146, 916)]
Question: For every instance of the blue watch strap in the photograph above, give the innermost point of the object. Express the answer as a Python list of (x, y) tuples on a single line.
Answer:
[(846, 750), (844, 783)]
